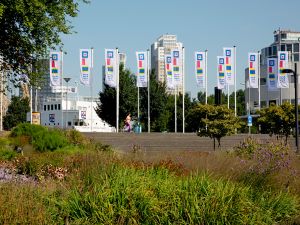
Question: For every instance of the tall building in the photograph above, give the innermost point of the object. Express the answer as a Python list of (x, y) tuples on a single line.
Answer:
[(163, 45), (284, 40)]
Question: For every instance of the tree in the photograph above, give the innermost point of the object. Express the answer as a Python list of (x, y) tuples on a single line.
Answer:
[(278, 120), (159, 114), (16, 112), (106, 108), (29, 28), (218, 122)]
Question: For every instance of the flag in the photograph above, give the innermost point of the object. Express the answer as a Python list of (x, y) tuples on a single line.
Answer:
[(253, 69), (55, 68), (283, 81), (169, 71), (200, 68), (85, 65), (229, 65), (177, 66), (221, 72), (142, 66), (272, 74), (111, 67)]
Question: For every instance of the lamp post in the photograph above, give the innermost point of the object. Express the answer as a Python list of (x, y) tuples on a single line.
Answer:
[(67, 79), (294, 72)]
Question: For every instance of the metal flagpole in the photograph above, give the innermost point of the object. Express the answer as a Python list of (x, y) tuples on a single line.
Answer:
[(1, 99), (175, 109), (138, 96), (30, 104), (117, 90), (234, 48), (183, 91), (91, 85), (206, 77), (228, 96), (258, 58), (61, 87), (148, 75)]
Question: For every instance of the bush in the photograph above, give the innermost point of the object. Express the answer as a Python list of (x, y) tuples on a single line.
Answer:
[(41, 138)]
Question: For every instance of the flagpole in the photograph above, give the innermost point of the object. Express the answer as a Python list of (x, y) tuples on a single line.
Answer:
[(91, 79), (61, 87), (228, 96), (206, 77), (117, 91), (30, 104), (175, 109), (258, 58), (183, 91), (234, 48), (148, 76), (138, 98)]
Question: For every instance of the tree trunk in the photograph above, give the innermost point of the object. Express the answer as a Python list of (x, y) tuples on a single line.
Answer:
[(219, 142), (214, 144)]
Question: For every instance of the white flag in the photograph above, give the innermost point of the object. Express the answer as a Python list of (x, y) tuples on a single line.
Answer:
[(221, 72), (253, 69), (111, 67), (177, 66), (283, 81), (142, 79), (272, 74), (55, 68), (200, 68), (169, 71), (85, 65), (229, 65)]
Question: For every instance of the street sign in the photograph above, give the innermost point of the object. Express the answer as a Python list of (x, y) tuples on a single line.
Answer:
[(249, 121)]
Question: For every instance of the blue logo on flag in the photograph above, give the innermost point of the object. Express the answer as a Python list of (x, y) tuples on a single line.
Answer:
[(199, 57), (141, 57), (85, 54), (272, 63), (54, 57), (282, 56), (176, 54), (142, 71), (252, 58), (110, 54), (228, 52), (249, 120), (169, 59), (221, 61)]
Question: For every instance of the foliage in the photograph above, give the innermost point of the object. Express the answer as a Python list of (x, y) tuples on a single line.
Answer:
[(30, 28), (277, 120), (41, 137), (106, 108), (16, 112), (219, 122)]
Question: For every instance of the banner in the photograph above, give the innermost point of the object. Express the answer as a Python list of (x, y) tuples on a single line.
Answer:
[(283, 81), (177, 66), (55, 68), (221, 72), (169, 71), (229, 65), (272, 74), (85, 65), (200, 68), (253, 69), (142, 79), (111, 67)]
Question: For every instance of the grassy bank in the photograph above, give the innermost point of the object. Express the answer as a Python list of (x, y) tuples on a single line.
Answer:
[(83, 183)]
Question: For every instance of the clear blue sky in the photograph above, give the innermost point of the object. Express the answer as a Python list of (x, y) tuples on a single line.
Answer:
[(199, 24)]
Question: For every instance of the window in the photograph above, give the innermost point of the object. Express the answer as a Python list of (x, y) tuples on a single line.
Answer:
[(58, 106), (45, 107), (263, 81), (296, 47), (48, 106), (76, 123), (289, 47), (51, 107), (283, 36), (282, 48), (55, 106), (69, 123), (296, 57), (274, 50), (269, 51)]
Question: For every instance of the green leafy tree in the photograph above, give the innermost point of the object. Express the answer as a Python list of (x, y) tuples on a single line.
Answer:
[(106, 108), (219, 121), (16, 112), (159, 115), (29, 28), (277, 120)]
